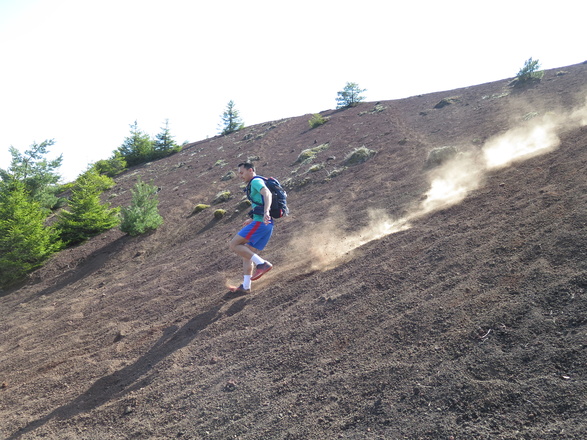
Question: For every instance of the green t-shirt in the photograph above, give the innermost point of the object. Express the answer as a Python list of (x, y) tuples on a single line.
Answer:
[(256, 198)]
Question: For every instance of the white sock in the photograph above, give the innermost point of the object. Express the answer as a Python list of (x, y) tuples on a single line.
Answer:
[(257, 259), (247, 282)]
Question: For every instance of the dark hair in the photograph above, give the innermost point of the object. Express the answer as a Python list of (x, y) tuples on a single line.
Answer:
[(247, 165)]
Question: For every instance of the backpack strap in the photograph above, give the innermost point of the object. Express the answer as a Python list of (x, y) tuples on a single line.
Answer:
[(258, 209), (248, 188)]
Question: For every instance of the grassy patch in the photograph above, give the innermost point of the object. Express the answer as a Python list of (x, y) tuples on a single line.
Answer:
[(317, 120), (228, 176), (335, 172), (309, 154), (199, 208), (359, 155), (222, 196), (219, 213), (315, 168), (440, 155), (377, 109), (448, 101)]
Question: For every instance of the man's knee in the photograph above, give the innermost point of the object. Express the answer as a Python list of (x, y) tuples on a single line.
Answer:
[(236, 241)]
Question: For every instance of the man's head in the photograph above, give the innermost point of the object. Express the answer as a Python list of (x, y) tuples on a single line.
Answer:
[(246, 171)]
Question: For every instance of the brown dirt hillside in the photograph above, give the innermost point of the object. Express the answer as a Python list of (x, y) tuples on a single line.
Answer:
[(409, 299)]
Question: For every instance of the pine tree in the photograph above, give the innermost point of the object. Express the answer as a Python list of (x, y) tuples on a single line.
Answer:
[(85, 215), (142, 215), (350, 95), (38, 174), (530, 72), (25, 241), (231, 120), (111, 167), (164, 144), (136, 148)]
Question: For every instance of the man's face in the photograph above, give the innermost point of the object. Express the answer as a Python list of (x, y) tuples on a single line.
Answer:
[(245, 174)]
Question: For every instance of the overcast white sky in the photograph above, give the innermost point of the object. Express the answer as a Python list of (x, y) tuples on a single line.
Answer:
[(81, 71)]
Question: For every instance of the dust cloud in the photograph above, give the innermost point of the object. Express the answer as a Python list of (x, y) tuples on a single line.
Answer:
[(327, 244), (521, 143)]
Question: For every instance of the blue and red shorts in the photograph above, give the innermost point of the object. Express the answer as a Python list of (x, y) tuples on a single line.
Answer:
[(257, 234)]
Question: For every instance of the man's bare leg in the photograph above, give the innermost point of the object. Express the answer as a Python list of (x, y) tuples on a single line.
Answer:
[(239, 246)]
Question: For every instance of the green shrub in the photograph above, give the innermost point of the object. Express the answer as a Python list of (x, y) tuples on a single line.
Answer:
[(310, 153), (288, 183), (359, 155), (317, 120), (529, 72), (111, 167), (85, 215), (377, 109), (315, 168), (25, 241), (335, 172), (440, 155), (447, 101), (244, 204), (228, 176), (142, 215), (199, 208), (305, 181), (222, 196), (219, 213)]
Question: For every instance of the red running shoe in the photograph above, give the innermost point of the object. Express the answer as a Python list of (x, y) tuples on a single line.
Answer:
[(261, 270)]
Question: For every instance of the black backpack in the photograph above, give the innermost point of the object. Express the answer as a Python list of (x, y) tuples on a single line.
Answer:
[(278, 198)]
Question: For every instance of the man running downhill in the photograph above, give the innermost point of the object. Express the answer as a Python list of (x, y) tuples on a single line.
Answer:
[(256, 231)]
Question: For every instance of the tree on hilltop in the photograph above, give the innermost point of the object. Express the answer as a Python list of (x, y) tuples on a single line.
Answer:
[(529, 72), (231, 120), (164, 144), (350, 95), (137, 148)]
